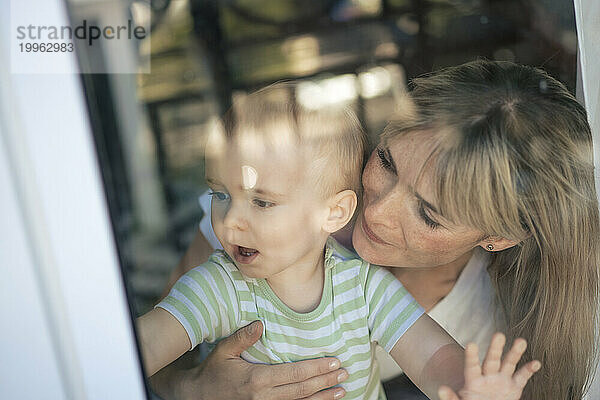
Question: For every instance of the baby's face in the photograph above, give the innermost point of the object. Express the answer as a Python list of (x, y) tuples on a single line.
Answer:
[(266, 211)]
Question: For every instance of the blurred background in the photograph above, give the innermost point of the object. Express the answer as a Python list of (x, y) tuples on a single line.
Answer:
[(150, 128)]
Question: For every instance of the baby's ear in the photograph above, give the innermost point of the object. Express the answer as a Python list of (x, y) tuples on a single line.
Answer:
[(341, 208)]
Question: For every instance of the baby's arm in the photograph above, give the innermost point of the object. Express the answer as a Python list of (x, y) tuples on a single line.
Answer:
[(430, 357), (162, 339), (192, 313), (497, 379), (434, 361)]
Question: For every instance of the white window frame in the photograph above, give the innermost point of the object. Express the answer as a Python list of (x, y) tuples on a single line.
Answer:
[(67, 331), (66, 328), (587, 18)]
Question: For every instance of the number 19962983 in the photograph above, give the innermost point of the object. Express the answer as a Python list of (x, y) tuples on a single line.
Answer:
[(46, 47)]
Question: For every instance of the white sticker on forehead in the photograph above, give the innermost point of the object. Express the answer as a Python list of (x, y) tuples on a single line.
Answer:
[(249, 177)]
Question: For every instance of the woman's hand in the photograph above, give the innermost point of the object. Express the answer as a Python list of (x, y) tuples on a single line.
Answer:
[(224, 375), (498, 379)]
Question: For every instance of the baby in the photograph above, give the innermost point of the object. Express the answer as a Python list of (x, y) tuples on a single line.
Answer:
[(283, 179)]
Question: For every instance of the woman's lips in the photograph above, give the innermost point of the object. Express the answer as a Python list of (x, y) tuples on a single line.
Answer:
[(244, 255), (372, 236)]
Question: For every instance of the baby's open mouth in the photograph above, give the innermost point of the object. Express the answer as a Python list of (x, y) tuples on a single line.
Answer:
[(244, 255), (246, 251)]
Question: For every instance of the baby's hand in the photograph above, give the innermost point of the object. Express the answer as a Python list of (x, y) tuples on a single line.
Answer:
[(498, 381)]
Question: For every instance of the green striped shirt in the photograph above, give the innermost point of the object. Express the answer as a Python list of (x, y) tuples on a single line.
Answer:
[(362, 305)]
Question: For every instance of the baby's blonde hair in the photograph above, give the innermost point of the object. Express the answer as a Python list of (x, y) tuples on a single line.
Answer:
[(331, 138)]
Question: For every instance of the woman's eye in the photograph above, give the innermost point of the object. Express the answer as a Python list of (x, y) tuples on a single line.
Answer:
[(262, 203), (384, 161), (426, 218), (219, 196)]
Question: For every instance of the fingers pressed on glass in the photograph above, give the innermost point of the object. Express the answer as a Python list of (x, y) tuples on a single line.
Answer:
[(445, 393), (491, 364), (511, 359), (525, 372), (497, 378), (472, 367)]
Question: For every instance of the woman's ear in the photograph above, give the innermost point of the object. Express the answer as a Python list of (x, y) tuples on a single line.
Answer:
[(497, 243), (341, 208)]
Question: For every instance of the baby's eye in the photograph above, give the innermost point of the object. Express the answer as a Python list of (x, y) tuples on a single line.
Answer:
[(262, 203), (219, 196)]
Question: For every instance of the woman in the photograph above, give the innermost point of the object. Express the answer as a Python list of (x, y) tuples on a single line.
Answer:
[(491, 169)]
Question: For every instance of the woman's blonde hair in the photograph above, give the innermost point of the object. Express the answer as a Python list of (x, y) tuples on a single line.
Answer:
[(513, 158)]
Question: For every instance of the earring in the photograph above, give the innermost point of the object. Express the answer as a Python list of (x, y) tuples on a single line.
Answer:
[(490, 247)]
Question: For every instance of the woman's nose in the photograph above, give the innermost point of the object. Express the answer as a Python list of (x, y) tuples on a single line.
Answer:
[(383, 208)]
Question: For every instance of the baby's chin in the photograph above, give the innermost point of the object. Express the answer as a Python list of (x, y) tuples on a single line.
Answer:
[(250, 271)]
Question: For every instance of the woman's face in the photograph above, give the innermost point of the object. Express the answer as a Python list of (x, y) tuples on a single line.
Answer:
[(398, 225)]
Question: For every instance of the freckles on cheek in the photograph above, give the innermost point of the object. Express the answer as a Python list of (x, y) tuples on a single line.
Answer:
[(426, 239), (442, 246), (369, 176), (418, 240)]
